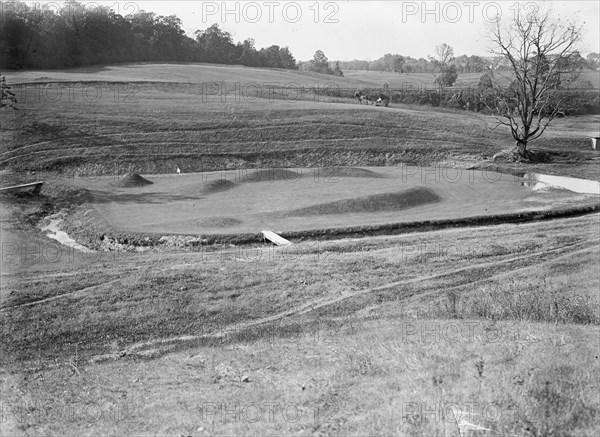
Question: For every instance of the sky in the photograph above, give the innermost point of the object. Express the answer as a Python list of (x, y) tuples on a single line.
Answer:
[(346, 30)]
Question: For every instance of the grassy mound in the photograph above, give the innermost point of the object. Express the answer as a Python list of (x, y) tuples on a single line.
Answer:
[(218, 222), (270, 174), (205, 188), (133, 180), (215, 186), (374, 203)]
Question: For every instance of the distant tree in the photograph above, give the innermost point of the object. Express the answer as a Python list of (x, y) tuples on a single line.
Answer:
[(320, 64), (337, 71), (445, 72), (286, 59), (476, 64), (215, 45), (269, 57), (544, 64), (248, 53), (485, 90), (399, 64), (593, 60), (447, 76)]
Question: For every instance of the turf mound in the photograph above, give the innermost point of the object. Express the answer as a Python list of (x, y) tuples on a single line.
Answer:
[(205, 188), (270, 174), (218, 222), (348, 172), (133, 180), (374, 203), (215, 186)]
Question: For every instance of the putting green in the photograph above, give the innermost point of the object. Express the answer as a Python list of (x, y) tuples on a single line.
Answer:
[(247, 201)]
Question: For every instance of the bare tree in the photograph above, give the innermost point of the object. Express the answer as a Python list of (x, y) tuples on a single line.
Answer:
[(541, 52), (444, 53)]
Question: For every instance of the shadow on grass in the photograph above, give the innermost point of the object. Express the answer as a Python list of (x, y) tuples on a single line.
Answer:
[(374, 203), (150, 197)]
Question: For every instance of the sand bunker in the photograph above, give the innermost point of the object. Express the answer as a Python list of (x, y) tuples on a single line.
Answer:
[(374, 203), (133, 180)]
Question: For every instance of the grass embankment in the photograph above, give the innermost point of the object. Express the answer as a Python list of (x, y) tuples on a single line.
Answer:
[(156, 128), (372, 332)]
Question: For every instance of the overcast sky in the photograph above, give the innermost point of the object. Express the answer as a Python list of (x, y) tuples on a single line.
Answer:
[(347, 30)]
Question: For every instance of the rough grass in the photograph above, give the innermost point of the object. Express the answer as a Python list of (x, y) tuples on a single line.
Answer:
[(360, 335), (181, 337), (162, 126)]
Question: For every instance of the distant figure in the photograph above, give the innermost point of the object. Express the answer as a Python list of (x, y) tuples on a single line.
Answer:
[(378, 102), (361, 96), (178, 170), (358, 95)]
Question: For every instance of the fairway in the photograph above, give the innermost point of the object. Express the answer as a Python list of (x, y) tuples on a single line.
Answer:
[(192, 73), (247, 201), (195, 73)]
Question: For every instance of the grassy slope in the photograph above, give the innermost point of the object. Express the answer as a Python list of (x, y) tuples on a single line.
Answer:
[(184, 73), (156, 127), (198, 73), (351, 321), (107, 137)]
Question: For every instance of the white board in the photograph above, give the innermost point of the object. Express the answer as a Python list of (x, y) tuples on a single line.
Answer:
[(276, 239), (36, 185)]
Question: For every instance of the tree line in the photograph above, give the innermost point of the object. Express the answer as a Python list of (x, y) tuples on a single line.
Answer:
[(463, 64), (80, 35)]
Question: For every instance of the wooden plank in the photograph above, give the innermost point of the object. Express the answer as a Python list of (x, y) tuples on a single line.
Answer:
[(276, 239), (37, 186)]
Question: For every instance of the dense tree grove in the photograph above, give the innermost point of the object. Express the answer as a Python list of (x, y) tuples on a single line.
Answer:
[(78, 35)]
